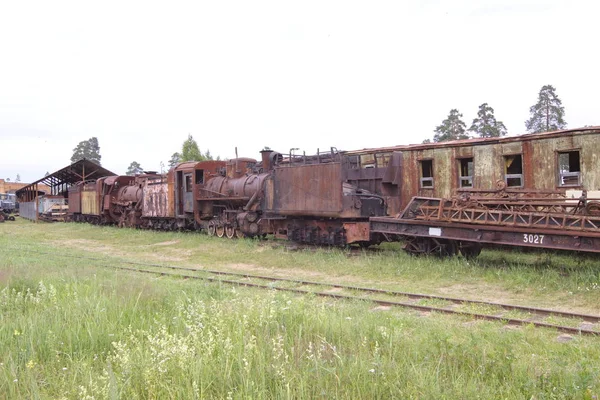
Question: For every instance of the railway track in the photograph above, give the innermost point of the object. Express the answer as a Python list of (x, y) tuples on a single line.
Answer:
[(516, 315)]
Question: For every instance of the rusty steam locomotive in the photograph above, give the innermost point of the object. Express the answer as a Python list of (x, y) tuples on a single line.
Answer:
[(301, 198)]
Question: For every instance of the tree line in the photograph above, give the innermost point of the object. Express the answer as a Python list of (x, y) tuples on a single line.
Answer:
[(90, 150), (548, 114)]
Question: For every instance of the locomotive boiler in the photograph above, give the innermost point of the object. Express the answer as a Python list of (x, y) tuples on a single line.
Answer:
[(231, 204)]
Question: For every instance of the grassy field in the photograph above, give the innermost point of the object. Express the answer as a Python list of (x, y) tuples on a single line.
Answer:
[(73, 327)]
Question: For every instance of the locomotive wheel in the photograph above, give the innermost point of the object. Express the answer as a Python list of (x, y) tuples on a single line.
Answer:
[(220, 230), (212, 228), (239, 234), (230, 231)]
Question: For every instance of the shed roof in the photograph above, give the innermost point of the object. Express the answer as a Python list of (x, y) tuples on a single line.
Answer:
[(61, 180)]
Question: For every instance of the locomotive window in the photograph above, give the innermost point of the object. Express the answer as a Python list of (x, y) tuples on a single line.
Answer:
[(427, 174), (199, 177), (569, 168), (513, 170), (465, 172), (188, 183)]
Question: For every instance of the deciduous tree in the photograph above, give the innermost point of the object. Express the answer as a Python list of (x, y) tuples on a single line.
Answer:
[(486, 125), (548, 114), (452, 128), (88, 149)]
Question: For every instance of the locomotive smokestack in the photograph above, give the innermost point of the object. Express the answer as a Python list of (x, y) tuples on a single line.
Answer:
[(237, 171), (266, 160)]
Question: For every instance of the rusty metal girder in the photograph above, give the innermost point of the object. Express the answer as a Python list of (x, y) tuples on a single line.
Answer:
[(523, 215), (496, 235)]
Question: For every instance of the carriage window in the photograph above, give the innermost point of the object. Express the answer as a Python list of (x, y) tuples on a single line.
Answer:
[(383, 159), (367, 161), (569, 168), (354, 162), (465, 172), (427, 174), (188, 183), (513, 170)]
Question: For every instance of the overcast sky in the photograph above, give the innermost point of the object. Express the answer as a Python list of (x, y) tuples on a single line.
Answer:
[(141, 76)]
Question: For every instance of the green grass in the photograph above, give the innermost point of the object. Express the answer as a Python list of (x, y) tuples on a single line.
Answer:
[(71, 327)]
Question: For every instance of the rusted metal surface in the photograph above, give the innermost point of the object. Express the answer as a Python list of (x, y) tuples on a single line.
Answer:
[(379, 172), (238, 167), (156, 200), (493, 235), (357, 232), (443, 225), (535, 213), (309, 188), (535, 155), (74, 198)]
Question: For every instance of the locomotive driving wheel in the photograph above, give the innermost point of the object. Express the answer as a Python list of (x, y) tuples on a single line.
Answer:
[(239, 234), (212, 227), (230, 231), (220, 230)]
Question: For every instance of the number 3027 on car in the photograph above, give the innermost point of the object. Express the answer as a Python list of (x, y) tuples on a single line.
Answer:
[(533, 239)]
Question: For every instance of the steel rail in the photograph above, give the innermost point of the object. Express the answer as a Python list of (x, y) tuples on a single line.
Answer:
[(510, 321), (506, 307)]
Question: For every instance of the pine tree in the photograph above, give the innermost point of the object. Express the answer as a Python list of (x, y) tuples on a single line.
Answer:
[(175, 159), (486, 125), (134, 168), (452, 128), (547, 114), (190, 151), (88, 149)]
